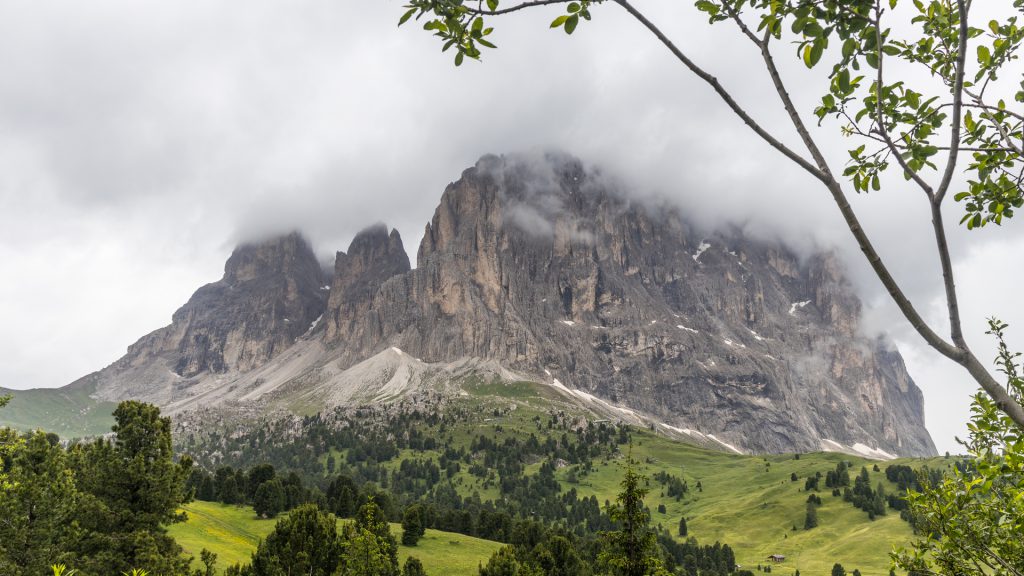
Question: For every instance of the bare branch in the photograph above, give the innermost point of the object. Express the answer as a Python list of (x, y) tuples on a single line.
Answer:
[(724, 94), (516, 8)]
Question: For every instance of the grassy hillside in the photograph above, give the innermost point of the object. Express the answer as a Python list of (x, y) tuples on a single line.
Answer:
[(232, 532), (752, 504), (68, 412), (748, 502)]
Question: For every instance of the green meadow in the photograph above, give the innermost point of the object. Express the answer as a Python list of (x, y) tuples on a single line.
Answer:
[(232, 532)]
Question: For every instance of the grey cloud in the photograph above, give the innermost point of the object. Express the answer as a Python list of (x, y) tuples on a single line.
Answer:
[(139, 141)]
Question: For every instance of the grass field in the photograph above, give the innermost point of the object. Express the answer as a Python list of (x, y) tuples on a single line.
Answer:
[(232, 532), (748, 502), (68, 412)]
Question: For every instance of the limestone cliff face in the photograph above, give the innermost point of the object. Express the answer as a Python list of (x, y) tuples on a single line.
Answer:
[(541, 269), (373, 257), (550, 271), (270, 294)]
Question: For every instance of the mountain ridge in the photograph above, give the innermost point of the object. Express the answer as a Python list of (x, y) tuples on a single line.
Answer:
[(542, 270)]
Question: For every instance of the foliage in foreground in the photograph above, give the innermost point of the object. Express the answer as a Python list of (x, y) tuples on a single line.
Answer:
[(101, 507), (307, 541), (973, 519)]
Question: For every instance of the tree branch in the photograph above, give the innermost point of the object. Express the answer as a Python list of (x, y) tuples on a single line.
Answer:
[(723, 93), (879, 115), (958, 98), (516, 8)]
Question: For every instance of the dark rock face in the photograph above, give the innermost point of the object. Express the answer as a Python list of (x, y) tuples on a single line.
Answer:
[(373, 257), (270, 294), (550, 271)]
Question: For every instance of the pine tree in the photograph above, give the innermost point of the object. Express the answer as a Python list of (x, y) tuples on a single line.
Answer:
[(504, 563), (682, 527), (412, 525), (364, 554), (811, 519), (306, 542), (133, 489), (838, 570), (413, 567), (269, 499), (632, 550), (37, 506), (370, 517)]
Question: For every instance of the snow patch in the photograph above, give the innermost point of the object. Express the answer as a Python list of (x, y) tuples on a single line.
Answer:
[(858, 448), (726, 444), (755, 335), (731, 343), (654, 321), (700, 250), (873, 452), (314, 324), (568, 322), (681, 327), (591, 398), (397, 351), (686, 431), (793, 307), (325, 287)]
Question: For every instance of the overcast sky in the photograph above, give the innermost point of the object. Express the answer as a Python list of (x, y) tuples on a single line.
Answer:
[(140, 140)]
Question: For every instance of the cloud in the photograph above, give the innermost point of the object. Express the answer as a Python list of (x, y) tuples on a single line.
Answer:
[(142, 139)]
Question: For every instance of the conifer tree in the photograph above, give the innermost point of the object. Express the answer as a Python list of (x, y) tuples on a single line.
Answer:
[(412, 525), (632, 550)]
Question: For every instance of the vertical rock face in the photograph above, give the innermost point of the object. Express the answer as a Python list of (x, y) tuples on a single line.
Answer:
[(374, 257), (547, 269), (268, 297)]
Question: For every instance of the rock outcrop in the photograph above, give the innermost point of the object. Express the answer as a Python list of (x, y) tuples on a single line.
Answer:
[(271, 293), (551, 272)]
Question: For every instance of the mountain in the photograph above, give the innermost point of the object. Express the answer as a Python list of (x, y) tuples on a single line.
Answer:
[(540, 270)]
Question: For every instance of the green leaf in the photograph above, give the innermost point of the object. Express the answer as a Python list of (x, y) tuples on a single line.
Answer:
[(560, 21), (849, 47), (492, 5), (574, 7), (984, 55), (813, 52), (571, 23), (458, 58), (408, 14)]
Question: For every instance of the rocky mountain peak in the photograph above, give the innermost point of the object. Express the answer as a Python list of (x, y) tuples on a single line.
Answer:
[(373, 257), (283, 255), (269, 296), (542, 268)]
